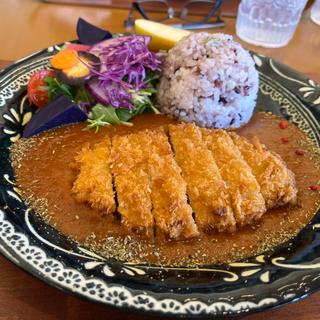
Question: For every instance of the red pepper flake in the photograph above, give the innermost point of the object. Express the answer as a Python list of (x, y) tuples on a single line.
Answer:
[(283, 124), (285, 139), (314, 187), (299, 152)]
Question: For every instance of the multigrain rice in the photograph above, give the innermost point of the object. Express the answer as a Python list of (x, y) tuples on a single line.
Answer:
[(209, 79)]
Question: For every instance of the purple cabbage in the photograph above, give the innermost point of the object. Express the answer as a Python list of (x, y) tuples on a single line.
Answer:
[(125, 62)]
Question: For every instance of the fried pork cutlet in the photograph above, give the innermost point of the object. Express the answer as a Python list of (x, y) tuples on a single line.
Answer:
[(132, 183), (94, 181), (229, 180), (173, 214), (247, 200), (207, 191), (277, 182)]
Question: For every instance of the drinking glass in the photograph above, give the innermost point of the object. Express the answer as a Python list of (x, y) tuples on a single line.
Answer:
[(268, 23), (315, 12)]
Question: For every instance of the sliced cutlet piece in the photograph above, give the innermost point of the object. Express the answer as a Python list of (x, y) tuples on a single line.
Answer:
[(173, 214), (208, 194), (132, 183), (277, 182), (247, 200), (94, 181)]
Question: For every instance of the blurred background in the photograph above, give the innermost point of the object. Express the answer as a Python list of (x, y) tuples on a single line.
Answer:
[(30, 25), (229, 7)]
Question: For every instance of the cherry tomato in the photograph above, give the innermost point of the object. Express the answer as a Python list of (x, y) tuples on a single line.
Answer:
[(36, 94)]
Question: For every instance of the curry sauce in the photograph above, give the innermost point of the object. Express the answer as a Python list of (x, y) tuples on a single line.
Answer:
[(44, 175)]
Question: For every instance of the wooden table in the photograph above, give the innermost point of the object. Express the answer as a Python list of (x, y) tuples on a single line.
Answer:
[(27, 26)]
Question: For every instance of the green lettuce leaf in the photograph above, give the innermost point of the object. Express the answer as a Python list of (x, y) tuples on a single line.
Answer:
[(102, 116)]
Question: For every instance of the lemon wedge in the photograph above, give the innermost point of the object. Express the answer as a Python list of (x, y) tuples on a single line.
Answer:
[(163, 36)]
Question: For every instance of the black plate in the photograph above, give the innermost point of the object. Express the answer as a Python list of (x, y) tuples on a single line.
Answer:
[(274, 278)]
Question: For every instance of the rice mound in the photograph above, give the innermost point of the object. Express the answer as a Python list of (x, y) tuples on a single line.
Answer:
[(209, 79)]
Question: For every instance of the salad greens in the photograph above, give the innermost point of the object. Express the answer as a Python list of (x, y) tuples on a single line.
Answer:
[(125, 66), (121, 83), (126, 81), (83, 96), (56, 88), (78, 94), (103, 116)]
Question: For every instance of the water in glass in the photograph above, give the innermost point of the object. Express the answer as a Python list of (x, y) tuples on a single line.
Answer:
[(268, 23)]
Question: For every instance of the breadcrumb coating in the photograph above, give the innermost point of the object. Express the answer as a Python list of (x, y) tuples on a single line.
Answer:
[(94, 181), (173, 214), (245, 192), (277, 182), (132, 183), (228, 180), (207, 191)]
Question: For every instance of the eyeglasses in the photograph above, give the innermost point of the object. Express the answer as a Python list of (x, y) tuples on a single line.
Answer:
[(196, 13)]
